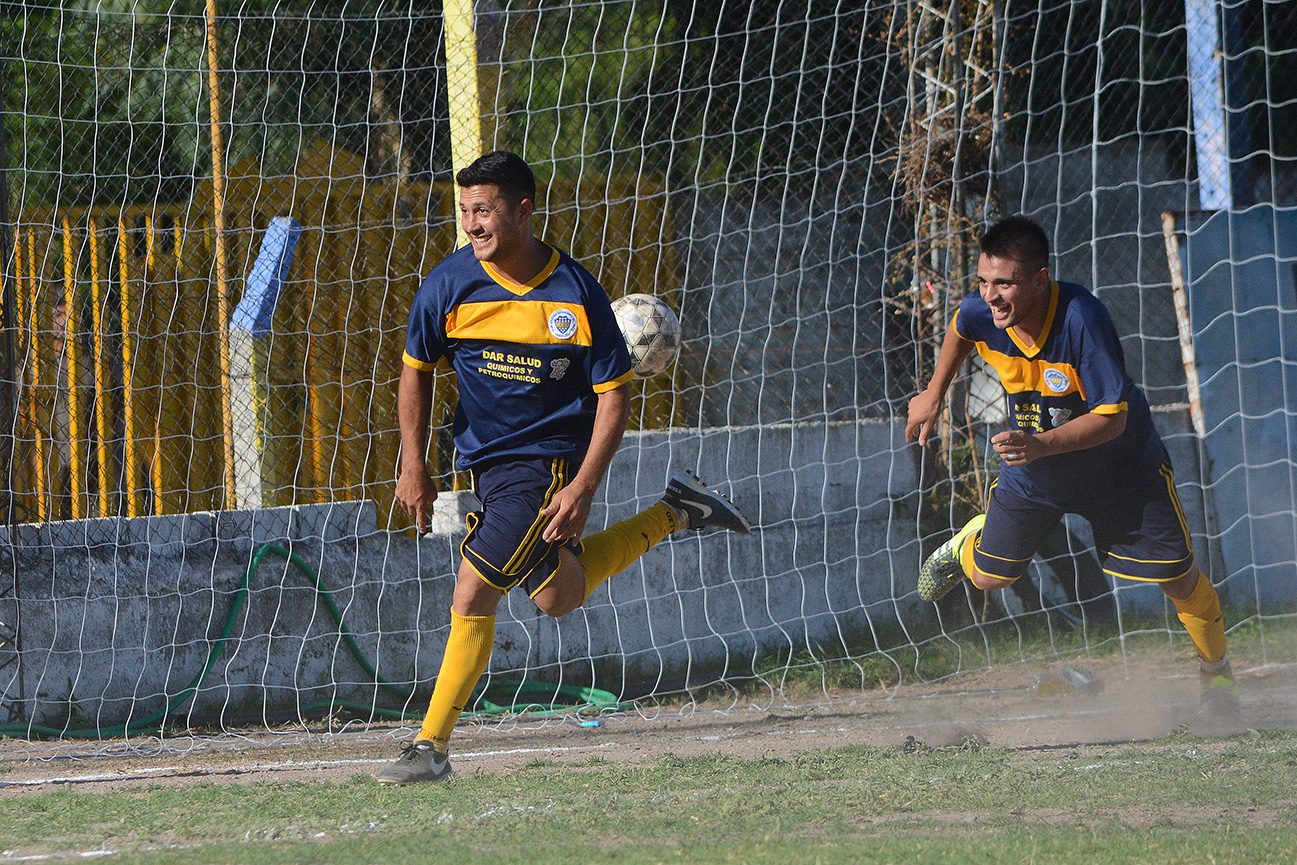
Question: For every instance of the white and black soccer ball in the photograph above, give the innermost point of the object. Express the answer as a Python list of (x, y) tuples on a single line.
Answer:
[(652, 333)]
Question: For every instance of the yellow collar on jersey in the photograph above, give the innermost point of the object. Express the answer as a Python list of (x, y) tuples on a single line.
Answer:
[(519, 288), (1032, 350)]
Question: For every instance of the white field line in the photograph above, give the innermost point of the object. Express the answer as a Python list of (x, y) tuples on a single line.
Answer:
[(247, 768), (85, 854)]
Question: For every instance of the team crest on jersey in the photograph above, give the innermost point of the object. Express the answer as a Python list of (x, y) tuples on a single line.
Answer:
[(558, 366), (1056, 381), (562, 323), (1060, 416)]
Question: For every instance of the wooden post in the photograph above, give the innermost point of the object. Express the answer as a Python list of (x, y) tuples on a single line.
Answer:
[(222, 254), (1184, 329)]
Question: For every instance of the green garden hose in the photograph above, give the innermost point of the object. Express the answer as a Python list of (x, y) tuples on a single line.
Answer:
[(581, 698)]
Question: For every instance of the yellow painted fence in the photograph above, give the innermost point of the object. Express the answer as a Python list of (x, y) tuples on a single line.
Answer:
[(119, 334)]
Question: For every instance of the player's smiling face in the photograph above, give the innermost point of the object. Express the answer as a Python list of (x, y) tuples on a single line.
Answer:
[(499, 229), (1016, 295)]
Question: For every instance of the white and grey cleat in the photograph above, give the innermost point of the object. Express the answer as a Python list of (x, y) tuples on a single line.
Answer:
[(419, 762), (702, 507)]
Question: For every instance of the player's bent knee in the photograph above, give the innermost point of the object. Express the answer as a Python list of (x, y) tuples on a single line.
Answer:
[(564, 591), (555, 607), (988, 583), (555, 603)]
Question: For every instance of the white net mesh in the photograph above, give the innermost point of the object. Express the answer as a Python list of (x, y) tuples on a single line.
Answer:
[(803, 184)]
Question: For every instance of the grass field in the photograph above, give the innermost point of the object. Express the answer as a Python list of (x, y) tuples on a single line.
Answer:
[(1178, 799), (974, 768)]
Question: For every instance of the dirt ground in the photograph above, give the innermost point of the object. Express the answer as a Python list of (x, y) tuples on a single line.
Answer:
[(1138, 700)]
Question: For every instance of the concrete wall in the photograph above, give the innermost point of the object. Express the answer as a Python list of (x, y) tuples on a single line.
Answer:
[(115, 616)]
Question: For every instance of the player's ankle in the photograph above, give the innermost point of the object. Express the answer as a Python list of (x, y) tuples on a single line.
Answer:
[(679, 518), (1216, 668)]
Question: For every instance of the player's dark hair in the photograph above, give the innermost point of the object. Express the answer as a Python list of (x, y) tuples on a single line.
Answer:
[(1017, 238), (503, 169)]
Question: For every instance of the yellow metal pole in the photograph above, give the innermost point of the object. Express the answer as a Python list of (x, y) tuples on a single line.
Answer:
[(101, 373), (128, 372), (161, 381), (25, 316), (316, 440), (71, 352), (156, 467), (462, 84), (222, 255), (42, 505), (24, 354), (313, 448), (149, 264)]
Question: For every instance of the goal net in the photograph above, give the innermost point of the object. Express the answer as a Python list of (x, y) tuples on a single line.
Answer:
[(213, 228)]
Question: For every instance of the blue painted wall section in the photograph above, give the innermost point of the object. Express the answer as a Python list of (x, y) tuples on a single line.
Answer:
[(256, 311), (1241, 272)]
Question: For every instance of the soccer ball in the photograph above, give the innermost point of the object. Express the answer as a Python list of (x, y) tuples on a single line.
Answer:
[(652, 333)]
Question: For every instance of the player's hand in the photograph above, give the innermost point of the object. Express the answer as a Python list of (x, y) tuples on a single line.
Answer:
[(1016, 447), (416, 492), (924, 411), (568, 511)]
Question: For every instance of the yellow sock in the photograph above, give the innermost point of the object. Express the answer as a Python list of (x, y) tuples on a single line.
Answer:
[(611, 551), (1200, 613), (468, 648), (966, 553)]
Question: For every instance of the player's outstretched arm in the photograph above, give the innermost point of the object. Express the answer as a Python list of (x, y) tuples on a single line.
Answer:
[(925, 408), (415, 490), (570, 507)]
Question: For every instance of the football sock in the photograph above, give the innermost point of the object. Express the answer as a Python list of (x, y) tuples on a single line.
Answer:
[(611, 551), (1200, 613), (468, 648), (966, 553)]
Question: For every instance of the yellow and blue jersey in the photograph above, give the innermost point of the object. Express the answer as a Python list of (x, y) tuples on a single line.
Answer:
[(530, 359), (1075, 367)]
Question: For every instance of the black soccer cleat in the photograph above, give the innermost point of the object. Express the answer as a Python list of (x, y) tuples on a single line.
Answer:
[(703, 508)]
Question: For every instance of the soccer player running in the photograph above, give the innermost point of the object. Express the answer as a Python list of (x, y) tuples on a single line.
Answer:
[(1081, 440), (542, 371)]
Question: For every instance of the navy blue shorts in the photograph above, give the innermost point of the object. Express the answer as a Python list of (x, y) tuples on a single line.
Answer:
[(1144, 536), (504, 543)]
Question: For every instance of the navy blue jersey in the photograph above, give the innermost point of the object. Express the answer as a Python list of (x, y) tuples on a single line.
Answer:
[(530, 359), (1075, 367)]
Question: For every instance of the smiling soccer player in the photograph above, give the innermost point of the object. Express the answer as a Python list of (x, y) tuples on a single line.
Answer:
[(542, 372), (1081, 440)]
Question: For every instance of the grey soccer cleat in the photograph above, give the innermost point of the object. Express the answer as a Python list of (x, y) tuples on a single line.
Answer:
[(943, 570), (419, 762), (1218, 710), (703, 508)]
